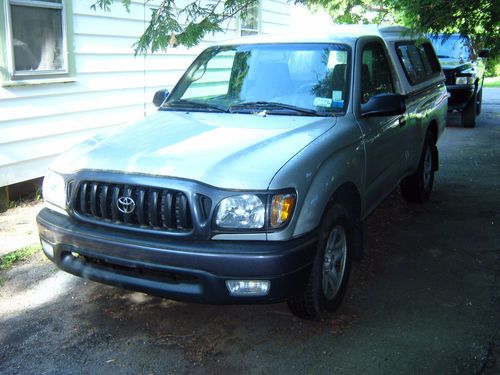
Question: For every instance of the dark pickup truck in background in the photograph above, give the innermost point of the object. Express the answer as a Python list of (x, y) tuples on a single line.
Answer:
[(464, 68)]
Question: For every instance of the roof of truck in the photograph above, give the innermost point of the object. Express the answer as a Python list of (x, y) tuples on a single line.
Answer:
[(337, 33)]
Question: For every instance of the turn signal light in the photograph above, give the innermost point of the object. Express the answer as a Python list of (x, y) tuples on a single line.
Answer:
[(281, 209)]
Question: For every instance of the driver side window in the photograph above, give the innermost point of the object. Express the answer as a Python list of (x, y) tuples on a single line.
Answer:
[(376, 75)]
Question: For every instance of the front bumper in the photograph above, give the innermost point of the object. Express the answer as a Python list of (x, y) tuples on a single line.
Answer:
[(460, 95), (184, 270)]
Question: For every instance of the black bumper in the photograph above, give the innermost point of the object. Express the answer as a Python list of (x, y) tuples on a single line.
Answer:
[(182, 270), (460, 96)]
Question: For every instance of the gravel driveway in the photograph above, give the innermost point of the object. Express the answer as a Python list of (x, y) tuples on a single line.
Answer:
[(425, 299)]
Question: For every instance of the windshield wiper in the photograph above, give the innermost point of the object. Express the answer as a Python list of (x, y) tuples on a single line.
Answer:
[(443, 57), (263, 105), (191, 104)]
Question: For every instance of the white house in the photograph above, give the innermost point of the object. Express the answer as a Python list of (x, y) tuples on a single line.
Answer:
[(67, 72)]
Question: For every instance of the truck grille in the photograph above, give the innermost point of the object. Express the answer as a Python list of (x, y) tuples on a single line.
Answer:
[(144, 207)]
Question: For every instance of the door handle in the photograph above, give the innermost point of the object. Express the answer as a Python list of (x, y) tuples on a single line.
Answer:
[(402, 121)]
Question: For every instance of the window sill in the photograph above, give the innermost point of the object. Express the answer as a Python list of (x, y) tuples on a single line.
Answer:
[(39, 81)]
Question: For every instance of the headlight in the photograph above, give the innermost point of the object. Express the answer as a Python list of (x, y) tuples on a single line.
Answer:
[(250, 211), (241, 212), (466, 80), (54, 189)]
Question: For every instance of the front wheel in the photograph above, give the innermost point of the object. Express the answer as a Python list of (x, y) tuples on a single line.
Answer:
[(417, 187), (469, 113), (331, 267)]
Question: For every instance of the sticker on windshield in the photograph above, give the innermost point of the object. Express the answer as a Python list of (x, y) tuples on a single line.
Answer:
[(337, 103), (322, 102), (337, 95)]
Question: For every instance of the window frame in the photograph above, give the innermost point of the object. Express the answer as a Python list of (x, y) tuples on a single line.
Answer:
[(8, 74), (433, 63), (257, 31)]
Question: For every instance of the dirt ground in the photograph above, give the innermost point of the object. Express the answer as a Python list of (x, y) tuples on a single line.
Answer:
[(18, 226), (424, 300)]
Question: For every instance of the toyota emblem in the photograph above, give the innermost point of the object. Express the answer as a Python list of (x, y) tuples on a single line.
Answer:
[(125, 205)]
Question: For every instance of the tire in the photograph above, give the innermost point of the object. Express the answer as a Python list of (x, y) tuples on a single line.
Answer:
[(469, 113), (331, 266), (479, 102), (417, 187)]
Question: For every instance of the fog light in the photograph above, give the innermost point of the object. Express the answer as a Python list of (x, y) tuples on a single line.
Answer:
[(248, 287), (47, 249)]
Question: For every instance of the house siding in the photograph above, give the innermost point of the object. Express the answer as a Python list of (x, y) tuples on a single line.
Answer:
[(111, 86)]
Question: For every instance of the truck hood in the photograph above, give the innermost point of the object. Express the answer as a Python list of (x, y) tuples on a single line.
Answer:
[(239, 151), (454, 65)]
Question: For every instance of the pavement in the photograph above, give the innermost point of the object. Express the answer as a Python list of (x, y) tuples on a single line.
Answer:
[(424, 300)]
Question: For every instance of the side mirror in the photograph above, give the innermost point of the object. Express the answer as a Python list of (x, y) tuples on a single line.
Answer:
[(484, 53), (160, 97), (384, 105)]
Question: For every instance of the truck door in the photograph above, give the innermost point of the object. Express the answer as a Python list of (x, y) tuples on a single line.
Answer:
[(383, 136)]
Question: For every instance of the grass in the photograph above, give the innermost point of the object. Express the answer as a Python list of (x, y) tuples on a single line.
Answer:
[(31, 199), (492, 82), (8, 260)]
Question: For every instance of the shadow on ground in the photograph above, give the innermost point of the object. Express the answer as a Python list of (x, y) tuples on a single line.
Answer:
[(425, 300)]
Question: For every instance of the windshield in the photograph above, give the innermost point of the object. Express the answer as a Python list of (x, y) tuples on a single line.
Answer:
[(455, 46), (297, 79)]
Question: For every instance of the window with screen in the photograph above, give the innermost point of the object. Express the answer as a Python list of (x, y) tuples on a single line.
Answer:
[(36, 38)]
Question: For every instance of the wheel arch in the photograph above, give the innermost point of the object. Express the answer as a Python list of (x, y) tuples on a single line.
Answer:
[(348, 196), (433, 128)]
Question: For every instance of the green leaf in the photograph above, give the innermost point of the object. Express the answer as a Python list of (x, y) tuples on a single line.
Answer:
[(190, 24)]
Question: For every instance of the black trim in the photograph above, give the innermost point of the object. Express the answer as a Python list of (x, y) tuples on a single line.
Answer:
[(183, 270)]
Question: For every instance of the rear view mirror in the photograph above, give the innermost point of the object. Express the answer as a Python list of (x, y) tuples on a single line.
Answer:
[(160, 97), (384, 105)]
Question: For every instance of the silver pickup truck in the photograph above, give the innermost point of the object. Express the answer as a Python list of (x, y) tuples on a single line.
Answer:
[(250, 183)]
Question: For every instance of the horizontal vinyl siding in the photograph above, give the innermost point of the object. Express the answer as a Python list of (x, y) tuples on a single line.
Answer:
[(89, 83), (112, 87), (38, 122), (24, 170), (275, 16), (40, 108)]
